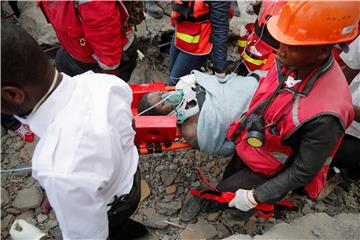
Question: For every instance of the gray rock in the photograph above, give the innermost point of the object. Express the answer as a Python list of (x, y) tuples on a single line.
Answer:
[(6, 221), (159, 168), (30, 147), (18, 145), (41, 218), (212, 217), (168, 177), (24, 155), (200, 230), (316, 232), (4, 197), (28, 216), (25, 173), (51, 224), (28, 198), (153, 220), (56, 233), (320, 206), (223, 231), (169, 208), (12, 210), (306, 209)]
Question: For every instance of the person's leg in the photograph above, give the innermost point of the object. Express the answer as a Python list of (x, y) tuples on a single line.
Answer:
[(174, 52), (347, 157), (70, 66), (189, 130), (184, 64), (128, 63), (120, 224)]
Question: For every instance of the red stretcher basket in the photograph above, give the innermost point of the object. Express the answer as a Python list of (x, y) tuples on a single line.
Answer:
[(155, 134)]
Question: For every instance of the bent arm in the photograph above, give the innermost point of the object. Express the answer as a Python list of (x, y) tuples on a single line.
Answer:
[(316, 144)]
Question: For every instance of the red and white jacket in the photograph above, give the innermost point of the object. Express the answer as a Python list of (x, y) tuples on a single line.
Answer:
[(319, 96), (90, 31)]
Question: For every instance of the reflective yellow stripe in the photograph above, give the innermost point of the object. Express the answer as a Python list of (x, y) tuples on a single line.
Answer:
[(241, 43), (188, 38), (252, 60)]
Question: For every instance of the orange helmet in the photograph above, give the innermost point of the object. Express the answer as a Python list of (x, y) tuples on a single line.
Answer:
[(315, 23)]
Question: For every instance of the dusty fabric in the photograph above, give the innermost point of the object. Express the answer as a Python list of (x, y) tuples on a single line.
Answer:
[(226, 100)]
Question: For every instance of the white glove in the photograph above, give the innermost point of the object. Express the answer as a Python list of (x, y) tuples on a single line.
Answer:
[(22, 230), (244, 200), (187, 84)]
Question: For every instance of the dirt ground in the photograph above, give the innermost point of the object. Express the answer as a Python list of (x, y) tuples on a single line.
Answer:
[(168, 176)]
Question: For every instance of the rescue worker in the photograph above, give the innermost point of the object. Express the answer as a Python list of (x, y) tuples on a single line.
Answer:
[(85, 159), (347, 157), (300, 111), (257, 47), (201, 28), (287, 144), (94, 35)]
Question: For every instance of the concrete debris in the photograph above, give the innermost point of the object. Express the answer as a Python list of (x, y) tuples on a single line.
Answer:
[(200, 230), (212, 217), (145, 190), (170, 189), (4, 197), (28, 198), (169, 208)]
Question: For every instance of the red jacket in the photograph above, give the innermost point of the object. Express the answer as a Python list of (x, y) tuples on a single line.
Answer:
[(92, 31), (320, 96)]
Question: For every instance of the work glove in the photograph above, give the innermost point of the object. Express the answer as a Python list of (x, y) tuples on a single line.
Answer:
[(244, 200), (22, 230), (187, 84)]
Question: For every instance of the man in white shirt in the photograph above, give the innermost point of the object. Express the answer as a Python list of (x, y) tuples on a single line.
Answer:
[(347, 156), (86, 159)]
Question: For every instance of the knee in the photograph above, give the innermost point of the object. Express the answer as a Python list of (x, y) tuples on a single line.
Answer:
[(189, 133)]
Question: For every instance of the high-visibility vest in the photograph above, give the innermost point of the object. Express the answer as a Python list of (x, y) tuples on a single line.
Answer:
[(192, 26), (273, 156), (255, 53)]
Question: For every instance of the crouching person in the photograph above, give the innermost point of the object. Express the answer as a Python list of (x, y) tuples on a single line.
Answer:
[(204, 106), (86, 159), (300, 111)]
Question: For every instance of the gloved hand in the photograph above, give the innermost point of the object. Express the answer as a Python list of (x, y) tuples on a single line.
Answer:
[(22, 230), (244, 200)]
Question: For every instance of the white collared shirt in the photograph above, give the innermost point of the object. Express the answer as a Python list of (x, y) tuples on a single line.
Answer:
[(86, 153), (352, 60)]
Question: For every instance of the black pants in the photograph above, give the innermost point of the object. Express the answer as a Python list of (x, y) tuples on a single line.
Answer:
[(238, 175), (347, 157), (122, 208), (70, 66)]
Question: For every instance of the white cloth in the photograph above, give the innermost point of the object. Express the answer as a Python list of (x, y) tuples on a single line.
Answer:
[(352, 60), (86, 153)]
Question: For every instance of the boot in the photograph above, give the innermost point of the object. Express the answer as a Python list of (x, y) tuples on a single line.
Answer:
[(191, 207), (153, 9)]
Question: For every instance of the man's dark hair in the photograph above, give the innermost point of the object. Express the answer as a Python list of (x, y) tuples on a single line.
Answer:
[(145, 104), (23, 62)]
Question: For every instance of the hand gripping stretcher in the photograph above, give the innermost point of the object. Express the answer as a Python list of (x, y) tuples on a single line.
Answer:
[(263, 210)]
